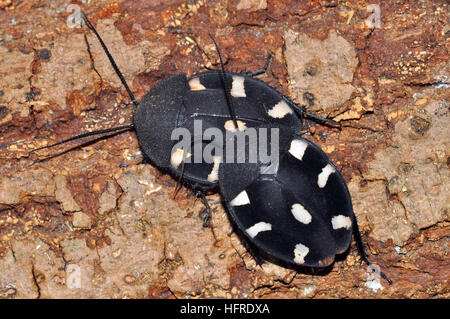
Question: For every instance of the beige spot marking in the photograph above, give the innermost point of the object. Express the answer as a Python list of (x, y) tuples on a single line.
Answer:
[(298, 148), (214, 175), (237, 87), (300, 253), (257, 228), (241, 199), (301, 214), (229, 126), (341, 221), (195, 85), (280, 110), (177, 157), (323, 176)]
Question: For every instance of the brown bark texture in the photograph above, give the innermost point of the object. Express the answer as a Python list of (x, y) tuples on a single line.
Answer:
[(91, 221)]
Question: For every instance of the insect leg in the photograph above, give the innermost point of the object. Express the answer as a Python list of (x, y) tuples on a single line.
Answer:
[(178, 186), (263, 69), (323, 120), (302, 111), (361, 250), (207, 210)]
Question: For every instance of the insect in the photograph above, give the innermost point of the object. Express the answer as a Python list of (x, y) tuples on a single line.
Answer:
[(179, 102), (300, 213), (296, 209)]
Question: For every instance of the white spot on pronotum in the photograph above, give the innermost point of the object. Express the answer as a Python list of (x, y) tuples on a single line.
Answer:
[(229, 126), (177, 157), (323, 176), (301, 214), (300, 253), (240, 199), (280, 110), (195, 85), (214, 175), (341, 221), (257, 228), (298, 148), (237, 87)]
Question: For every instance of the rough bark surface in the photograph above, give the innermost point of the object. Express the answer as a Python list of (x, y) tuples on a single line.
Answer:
[(96, 212)]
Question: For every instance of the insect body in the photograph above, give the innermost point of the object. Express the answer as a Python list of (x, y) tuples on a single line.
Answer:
[(295, 210), (300, 214), (178, 102)]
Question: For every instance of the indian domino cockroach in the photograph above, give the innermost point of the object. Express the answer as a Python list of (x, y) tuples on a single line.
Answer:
[(295, 211)]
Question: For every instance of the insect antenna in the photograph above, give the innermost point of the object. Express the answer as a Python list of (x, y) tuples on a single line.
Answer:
[(361, 250), (124, 83), (111, 59), (87, 134), (225, 85)]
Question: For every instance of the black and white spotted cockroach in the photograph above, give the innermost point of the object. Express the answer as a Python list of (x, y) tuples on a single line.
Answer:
[(299, 213)]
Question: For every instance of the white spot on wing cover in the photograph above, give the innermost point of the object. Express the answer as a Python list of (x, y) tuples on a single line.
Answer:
[(177, 157), (341, 221), (229, 126), (300, 253), (241, 199), (323, 176), (237, 87), (301, 214), (257, 228), (280, 110), (214, 175), (298, 148), (195, 85)]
